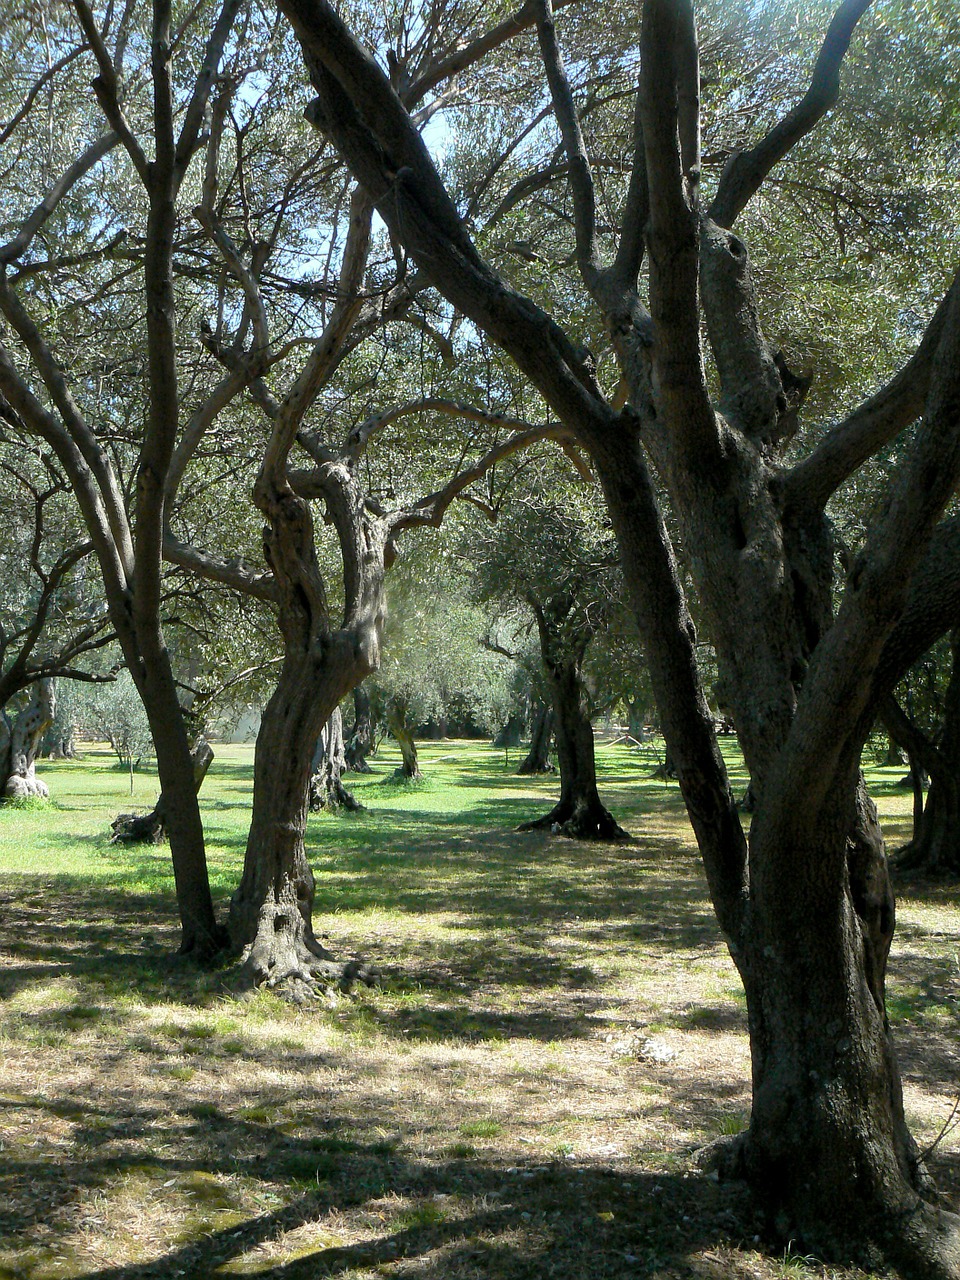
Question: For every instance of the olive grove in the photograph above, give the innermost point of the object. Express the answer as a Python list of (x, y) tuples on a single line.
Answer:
[(735, 304), (805, 901)]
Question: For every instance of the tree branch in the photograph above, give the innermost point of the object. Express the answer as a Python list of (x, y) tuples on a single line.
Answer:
[(190, 131), (14, 248), (871, 425), (431, 509), (107, 89), (745, 171), (234, 573), (72, 436), (471, 53), (8, 129), (578, 162), (358, 439)]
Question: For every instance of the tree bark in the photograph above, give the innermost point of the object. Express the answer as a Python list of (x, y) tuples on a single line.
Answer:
[(403, 736), (537, 759), (329, 763), (20, 743), (360, 743)]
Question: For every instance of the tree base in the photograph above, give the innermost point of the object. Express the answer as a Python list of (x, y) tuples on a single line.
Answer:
[(357, 766), (536, 769), (299, 969), (401, 775), (137, 828), (19, 787), (580, 822), (919, 1240), (929, 859), (332, 797)]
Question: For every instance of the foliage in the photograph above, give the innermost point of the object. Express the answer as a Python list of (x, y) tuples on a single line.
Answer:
[(113, 713), (434, 664)]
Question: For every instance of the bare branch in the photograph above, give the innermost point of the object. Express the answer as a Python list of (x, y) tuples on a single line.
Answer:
[(107, 88), (71, 437), (358, 439), (14, 248), (745, 171), (35, 89), (245, 277), (193, 120), (471, 53), (633, 221), (233, 573), (331, 346), (578, 162), (431, 509)]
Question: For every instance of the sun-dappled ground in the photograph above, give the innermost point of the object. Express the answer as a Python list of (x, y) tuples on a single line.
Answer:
[(557, 1031)]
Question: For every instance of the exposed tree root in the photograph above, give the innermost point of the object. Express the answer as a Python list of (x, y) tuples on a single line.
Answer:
[(579, 822), (300, 969)]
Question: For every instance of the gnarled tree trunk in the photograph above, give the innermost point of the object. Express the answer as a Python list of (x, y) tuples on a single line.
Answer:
[(402, 734), (360, 743), (935, 847), (20, 742), (329, 763)]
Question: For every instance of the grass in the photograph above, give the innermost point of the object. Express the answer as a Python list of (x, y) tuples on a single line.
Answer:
[(493, 1110)]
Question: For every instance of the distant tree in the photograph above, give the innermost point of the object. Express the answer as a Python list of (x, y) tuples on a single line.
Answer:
[(434, 664), (114, 713), (930, 734), (549, 552)]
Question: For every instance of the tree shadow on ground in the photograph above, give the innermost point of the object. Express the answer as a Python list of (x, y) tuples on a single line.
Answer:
[(455, 1216)]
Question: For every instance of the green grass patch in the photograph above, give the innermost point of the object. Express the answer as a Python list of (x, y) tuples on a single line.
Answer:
[(491, 1110)]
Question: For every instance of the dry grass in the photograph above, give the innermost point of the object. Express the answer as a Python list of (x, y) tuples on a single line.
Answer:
[(558, 1030)]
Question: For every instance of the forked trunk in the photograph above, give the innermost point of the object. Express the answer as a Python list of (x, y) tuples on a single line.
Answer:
[(149, 828), (537, 759), (271, 913)]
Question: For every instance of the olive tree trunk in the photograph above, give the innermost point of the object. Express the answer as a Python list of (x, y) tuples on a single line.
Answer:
[(402, 734), (935, 847), (360, 744), (328, 766), (537, 759), (579, 812), (20, 742)]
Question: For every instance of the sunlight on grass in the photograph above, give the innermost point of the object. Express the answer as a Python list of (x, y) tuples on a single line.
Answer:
[(492, 1103)]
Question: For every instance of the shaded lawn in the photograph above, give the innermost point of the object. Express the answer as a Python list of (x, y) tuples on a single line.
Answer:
[(558, 1028)]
